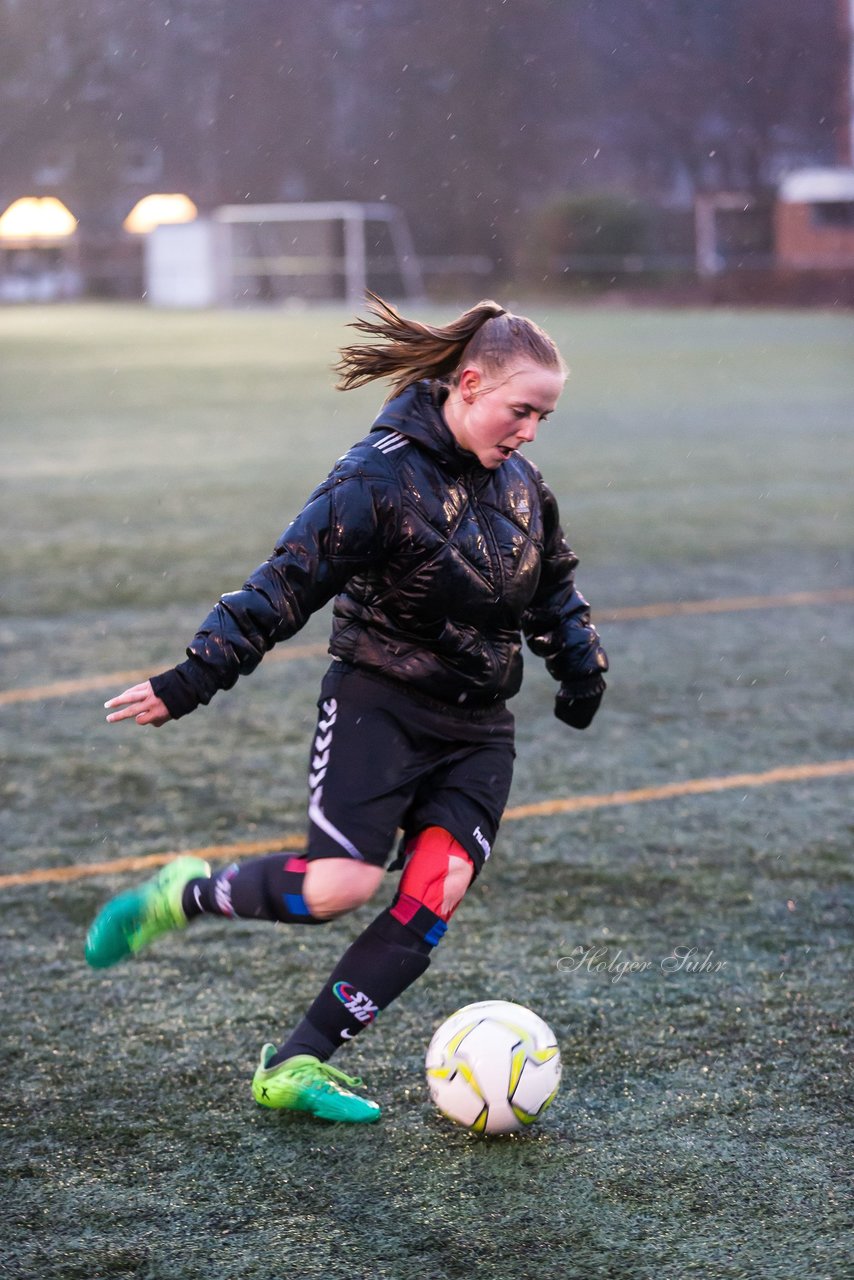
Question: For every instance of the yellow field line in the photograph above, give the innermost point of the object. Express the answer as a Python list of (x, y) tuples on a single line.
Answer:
[(545, 808), (215, 852), (731, 604), (116, 679), (666, 609), (691, 787)]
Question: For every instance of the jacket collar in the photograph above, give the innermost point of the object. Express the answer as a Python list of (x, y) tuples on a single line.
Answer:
[(417, 414)]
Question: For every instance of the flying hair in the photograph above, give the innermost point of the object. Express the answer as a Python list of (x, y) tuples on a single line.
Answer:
[(408, 350)]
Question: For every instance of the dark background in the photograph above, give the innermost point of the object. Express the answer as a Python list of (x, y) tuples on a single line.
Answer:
[(476, 118)]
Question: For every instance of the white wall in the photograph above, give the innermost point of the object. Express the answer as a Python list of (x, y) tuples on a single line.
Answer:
[(182, 265)]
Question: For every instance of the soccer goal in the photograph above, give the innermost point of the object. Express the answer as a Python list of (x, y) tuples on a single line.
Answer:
[(315, 252)]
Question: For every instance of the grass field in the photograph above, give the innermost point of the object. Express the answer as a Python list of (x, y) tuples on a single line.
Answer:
[(703, 1127)]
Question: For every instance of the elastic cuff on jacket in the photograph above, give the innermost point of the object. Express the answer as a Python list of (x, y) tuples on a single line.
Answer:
[(174, 689)]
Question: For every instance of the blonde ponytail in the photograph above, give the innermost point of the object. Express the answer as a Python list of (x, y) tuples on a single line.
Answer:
[(409, 351)]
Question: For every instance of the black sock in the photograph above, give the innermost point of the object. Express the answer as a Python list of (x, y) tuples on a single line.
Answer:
[(260, 889), (374, 970)]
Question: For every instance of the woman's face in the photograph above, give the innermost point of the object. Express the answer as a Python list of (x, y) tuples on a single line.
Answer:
[(492, 415)]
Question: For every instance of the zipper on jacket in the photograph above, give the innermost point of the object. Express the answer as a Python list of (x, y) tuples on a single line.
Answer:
[(490, 536)]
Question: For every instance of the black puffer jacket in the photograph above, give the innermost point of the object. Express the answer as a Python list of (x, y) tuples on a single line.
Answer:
[(437, 566)]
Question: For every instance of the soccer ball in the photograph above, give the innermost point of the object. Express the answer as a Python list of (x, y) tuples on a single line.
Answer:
[(493, 1067)]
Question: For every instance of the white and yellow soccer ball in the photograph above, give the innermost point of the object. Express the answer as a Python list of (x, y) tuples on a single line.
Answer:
[(493, 1067)]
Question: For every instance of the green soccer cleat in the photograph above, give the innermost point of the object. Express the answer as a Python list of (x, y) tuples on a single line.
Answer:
[(133, 919), (304, 1083)]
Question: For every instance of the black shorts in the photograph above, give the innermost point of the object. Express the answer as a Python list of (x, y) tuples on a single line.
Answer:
[(385, 760)]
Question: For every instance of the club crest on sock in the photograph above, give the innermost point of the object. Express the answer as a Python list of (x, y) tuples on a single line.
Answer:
[(360, 1005)]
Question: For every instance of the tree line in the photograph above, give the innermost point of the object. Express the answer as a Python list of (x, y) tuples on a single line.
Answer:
[(471, 115)]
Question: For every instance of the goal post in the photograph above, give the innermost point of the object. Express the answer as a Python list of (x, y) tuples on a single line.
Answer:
[(320, 252)]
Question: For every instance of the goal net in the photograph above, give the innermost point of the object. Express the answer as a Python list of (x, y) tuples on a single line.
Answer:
[(315, 252)]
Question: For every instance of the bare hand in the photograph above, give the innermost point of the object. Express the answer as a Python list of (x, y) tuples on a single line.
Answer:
[(140, 703)]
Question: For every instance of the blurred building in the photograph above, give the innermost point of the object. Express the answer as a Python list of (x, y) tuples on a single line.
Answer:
[(99, 108), (39, 251), (814, 220)]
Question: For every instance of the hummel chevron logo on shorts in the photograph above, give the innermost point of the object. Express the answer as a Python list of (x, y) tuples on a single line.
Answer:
[(389, 443), (319, 765), (322, 744)]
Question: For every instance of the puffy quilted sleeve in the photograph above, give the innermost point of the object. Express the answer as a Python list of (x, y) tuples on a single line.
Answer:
[(557, 622), (348, 523)]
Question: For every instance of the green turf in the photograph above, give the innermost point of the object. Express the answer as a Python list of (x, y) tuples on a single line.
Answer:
[(148, 462)]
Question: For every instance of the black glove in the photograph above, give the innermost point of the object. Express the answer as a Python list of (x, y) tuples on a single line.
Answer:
[(578, 701)]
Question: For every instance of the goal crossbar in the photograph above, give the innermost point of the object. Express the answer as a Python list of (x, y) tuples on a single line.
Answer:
[(354, 263), (309, 212)]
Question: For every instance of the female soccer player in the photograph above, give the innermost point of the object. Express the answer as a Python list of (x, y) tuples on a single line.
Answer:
[(441, 545)]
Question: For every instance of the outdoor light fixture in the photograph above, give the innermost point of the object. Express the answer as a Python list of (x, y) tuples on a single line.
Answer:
[(155, 210), (37, 218)]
